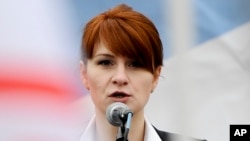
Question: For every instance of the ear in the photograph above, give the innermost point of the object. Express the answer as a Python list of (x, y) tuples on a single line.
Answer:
[(156, 77), (83, 73)]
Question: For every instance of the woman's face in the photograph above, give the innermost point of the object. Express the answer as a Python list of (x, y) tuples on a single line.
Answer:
[(111, 78)]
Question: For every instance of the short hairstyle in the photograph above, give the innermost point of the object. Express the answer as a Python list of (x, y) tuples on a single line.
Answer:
[(127, 33)]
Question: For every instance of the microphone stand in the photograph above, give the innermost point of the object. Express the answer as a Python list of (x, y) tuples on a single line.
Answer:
[(122, 134)]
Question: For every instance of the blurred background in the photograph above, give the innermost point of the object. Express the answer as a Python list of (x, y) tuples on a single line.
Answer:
[(204, 86)]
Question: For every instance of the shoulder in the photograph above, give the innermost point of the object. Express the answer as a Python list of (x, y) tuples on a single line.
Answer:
[(166, 136)]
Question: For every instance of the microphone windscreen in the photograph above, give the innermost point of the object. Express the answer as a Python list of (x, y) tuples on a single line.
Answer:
[(114, 113)]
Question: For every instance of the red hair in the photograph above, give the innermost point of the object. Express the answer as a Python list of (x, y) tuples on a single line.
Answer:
[(127, 33)]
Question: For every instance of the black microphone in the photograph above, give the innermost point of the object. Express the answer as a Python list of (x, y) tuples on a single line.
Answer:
[(116, 113)]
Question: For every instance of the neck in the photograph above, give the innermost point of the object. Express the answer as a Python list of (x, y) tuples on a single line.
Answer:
[(108, 132)]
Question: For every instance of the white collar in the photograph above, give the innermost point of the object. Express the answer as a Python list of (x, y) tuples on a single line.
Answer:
[(89, 133), (150, 133)]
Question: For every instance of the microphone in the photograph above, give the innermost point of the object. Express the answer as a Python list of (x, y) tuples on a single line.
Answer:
[(117, 113)]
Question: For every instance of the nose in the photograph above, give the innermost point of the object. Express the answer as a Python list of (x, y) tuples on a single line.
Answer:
[(120, 77)]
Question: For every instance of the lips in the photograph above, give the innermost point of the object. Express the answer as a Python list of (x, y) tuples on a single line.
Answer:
[(119, 96)]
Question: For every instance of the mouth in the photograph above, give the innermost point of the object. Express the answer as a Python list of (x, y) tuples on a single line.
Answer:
[(119, 95)]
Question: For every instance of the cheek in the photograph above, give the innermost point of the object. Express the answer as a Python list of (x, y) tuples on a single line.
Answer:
[(147, 83), (95, 90), (142, 91), (144, 85), (93, 83), (96, 81)]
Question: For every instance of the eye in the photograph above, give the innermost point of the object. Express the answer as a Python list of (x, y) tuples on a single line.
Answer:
[(105, 63), (135, 64)]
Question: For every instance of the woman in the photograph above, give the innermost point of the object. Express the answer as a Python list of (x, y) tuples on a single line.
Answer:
[(122, 60)]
